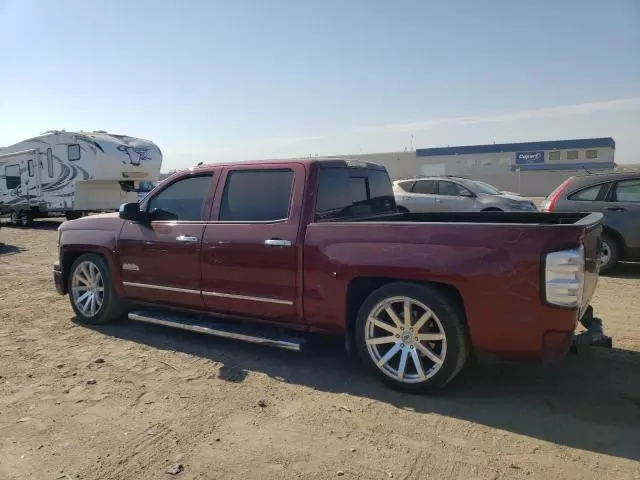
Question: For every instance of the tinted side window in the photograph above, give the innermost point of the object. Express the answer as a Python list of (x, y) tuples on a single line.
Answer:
[(628, 191), (348, 192), (12, 176), (358, 187), (425, 186), (257, 196), (449, 189), (589, 194), (184, 198), (406, 186)]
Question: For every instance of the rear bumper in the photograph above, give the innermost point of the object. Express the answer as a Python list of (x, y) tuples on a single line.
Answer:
[(58, 280), (551, 340)]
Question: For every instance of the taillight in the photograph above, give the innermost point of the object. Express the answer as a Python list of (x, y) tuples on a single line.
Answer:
[(564, 277), (550, 202)]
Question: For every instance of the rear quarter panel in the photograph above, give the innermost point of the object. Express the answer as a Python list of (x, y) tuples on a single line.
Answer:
[(496, 268)]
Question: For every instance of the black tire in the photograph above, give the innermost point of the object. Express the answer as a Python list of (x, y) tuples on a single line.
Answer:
[(447, 315), (73, 215), (611, 245), (112, 307), (26, 218), (14, 218)]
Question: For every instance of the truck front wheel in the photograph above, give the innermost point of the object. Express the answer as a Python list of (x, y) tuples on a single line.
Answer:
[(412, 337), (91, 292)]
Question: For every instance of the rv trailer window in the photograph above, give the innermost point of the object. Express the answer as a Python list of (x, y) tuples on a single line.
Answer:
[(50, 162), (12, 176), (73, 152), (30, 167)]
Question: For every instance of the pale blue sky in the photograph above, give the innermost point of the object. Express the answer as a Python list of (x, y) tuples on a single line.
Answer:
[(228, 80)]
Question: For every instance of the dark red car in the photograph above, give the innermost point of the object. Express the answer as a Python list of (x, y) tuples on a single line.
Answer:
[(252, 250)]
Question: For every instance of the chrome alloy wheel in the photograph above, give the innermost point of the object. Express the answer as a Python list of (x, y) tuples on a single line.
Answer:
[(405, 339), (87, 288)]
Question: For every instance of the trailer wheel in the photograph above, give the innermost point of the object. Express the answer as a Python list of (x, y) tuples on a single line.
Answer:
[(14, 219), (26, 218), (92, 296), (412, 337), (73, 215)]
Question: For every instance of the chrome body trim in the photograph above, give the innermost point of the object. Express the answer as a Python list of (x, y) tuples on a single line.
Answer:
[(209, 294), (245, 297), (160, 287), (287, 345)]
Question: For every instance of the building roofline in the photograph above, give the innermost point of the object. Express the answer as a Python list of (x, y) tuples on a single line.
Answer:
[(518, 147)]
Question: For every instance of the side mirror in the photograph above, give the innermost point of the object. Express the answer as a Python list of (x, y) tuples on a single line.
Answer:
[(467, 193), (130, 211)]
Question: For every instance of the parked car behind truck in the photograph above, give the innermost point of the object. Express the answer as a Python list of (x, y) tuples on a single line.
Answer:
[(449, 193), (617, 196), (237, 250)]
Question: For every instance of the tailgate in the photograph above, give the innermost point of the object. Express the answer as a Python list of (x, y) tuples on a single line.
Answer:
[(592, 242)]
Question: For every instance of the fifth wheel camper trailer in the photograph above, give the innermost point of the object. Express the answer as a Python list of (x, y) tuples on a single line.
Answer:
[(72, 173)]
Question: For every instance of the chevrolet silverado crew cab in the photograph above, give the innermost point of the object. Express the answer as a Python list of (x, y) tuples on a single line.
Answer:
[(268, 251)]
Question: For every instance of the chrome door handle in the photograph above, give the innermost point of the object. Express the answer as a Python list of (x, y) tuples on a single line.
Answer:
[(186, 239), (276, 242), (438, 200)]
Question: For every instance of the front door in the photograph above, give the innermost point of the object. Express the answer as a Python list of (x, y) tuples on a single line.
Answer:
[(160, 260), (453, 197), (251, 249)]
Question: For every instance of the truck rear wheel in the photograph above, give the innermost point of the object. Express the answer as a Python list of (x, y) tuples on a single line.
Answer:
[(92, 296), (412, 337)]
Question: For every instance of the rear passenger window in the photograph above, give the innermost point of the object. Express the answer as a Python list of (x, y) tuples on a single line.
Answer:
[(588, 194), (358, 187), (425, 187), (257, 196), (353, 192), (184, 198), (628, 191)]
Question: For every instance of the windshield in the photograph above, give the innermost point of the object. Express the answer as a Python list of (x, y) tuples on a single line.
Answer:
[(482, 187)]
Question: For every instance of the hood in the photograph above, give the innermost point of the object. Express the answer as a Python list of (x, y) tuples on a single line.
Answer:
[(511, 196), (102, 221)]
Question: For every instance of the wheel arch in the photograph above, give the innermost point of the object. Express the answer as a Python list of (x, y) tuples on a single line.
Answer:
[(68, 256), (360, 288), (606, 230)]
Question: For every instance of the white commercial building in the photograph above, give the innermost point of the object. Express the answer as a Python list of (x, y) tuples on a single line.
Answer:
[(530, 168)]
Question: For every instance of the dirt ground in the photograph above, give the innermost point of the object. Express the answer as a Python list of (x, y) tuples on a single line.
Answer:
[(129, 401)]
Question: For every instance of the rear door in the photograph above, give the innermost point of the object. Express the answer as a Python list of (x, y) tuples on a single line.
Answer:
[(422, 197), (622, 211), (450, 197), (161, 260), (252, 246)]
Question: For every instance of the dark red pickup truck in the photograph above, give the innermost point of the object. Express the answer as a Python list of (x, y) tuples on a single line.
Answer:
[(266, 251)]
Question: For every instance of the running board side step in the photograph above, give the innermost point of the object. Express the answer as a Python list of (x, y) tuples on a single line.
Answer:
[(252, 334)]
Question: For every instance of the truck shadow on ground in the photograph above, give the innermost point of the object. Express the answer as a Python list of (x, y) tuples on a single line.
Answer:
[(590, 401)]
